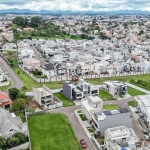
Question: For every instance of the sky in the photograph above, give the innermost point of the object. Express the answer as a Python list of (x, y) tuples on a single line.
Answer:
[(76, 5)]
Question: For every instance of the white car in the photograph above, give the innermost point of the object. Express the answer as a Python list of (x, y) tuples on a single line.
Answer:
[(146, 137)]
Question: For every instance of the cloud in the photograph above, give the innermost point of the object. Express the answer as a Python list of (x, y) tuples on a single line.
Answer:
[(76, 5)]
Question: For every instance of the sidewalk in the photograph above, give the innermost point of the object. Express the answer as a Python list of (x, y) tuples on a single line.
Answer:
[(84, 124), (138, 88)]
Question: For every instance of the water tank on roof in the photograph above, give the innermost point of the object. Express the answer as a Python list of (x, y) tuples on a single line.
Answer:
[(123, 148)]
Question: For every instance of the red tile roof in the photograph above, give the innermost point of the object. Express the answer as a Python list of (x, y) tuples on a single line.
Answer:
[(4, 99)]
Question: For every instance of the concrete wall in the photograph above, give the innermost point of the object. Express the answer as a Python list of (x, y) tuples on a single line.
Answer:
[(67, 90), (114, 121), (23, 146)]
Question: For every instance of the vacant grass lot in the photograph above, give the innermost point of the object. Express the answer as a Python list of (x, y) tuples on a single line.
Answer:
[(29, 82), (105, 96), (111, 107), (134, 92), (52, 132), (66, 101), (98, 81), (132, 103)]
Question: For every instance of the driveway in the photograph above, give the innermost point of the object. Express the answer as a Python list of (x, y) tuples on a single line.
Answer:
[(135, 125), (37, 54), (17, 83), (79, 131)]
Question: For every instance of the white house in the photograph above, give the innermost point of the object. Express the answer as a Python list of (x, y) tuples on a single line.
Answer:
[(48, 70), (90, 105)]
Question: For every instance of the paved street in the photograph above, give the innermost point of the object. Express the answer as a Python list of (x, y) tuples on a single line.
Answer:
[(16, 80), (37, 54), (80, 133)]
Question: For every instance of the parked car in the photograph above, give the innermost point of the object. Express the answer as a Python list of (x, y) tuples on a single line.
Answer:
[(146, 137), (82, 142), (104, 72)]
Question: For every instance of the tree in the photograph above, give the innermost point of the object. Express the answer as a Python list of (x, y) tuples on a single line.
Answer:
[(12, 142), (2, 142), (18, 104), (19, 21), (22, 138), (13, 93)]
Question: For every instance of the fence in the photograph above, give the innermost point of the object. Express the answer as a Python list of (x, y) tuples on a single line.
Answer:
[(69, 77), (22, 146), (31, 113)]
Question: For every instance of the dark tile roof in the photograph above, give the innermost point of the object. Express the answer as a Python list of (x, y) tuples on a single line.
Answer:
[(48, 67)]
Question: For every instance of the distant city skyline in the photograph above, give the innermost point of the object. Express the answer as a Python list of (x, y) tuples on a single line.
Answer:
[(77, 5)]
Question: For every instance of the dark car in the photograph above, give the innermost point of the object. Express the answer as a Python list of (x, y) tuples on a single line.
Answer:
[(104, 72), (82, 142)]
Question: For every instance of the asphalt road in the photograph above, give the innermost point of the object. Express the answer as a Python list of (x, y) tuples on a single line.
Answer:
[(135, 125), (17, 83), (79, 131), (37, 54)]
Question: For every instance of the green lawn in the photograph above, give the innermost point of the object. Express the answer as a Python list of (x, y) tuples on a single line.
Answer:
[(22, 115), (66, 101), (111, 107), (90, 129), (28, 82), (104, 95), (3, 88), (79, 111), (134, 92), (52, 132), (55, 37), (132, 103), (13, 60), (98, 81), (83, 117)]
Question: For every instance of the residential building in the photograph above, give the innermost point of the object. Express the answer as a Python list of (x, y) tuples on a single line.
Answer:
[(144, 107), (90, 105), (43, 96), (81, 90), (9, 46), (107, 119), (48, 70), (5, 101), (122, 138), (115, 88), (10, 124), (31, 63)]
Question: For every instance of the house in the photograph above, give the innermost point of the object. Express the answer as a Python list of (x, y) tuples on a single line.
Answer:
[(10, 124), (90, 105), (3, 75), (9, 46), (107, 119), (81, 90), (43, 96), (5, 101), (122, 138), (115, 88), (144, 107), (28, 29), (31, 63), (48, 70)]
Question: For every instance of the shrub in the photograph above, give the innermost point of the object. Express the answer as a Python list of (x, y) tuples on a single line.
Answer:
[(18, 104), (2, 142), (12, 142), (13, 93)]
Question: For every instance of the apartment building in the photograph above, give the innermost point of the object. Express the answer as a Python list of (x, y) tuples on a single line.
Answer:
[(43, 96), (107, 119), (122, 138), (81, 90), (91, 105), (115, 88)]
